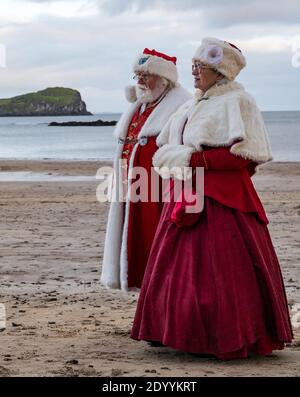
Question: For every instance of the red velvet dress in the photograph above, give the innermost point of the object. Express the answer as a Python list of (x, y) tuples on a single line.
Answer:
[(143, 216), (216, 287)]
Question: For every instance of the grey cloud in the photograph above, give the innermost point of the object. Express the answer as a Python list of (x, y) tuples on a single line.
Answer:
[(255, 12), (216, 13)]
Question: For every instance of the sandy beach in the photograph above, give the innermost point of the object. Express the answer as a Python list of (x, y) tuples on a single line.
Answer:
[(61, 322)]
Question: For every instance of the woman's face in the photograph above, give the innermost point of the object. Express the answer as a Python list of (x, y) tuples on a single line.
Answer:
[(204, 76)]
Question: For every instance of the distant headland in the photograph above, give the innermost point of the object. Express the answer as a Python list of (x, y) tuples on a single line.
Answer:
[(55, 101)]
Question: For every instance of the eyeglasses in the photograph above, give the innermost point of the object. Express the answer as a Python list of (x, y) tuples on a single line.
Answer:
[(142, 76), (198, 67)]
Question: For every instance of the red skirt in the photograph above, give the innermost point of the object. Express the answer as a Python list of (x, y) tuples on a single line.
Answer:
[(214, 288)]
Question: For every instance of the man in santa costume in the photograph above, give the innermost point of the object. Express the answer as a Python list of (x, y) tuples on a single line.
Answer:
[(131, 225)]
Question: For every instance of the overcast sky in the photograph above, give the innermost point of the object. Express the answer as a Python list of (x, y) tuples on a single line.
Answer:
[(90, 45)]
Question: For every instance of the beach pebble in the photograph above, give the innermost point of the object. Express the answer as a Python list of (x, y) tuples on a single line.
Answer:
[(151, 371), (16, 325), (74, 362)]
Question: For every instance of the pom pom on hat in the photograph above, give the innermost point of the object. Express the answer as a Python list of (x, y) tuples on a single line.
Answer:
[(221, 55), (130, 93), (158, 63)]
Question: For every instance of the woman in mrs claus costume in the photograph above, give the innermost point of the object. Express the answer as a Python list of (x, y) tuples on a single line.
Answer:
[(213, 285)]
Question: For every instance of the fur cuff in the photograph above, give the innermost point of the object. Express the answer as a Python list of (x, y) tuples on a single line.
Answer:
[(173, 161)]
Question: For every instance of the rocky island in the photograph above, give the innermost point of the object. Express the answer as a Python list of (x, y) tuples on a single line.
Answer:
[(55, 101), (96, 123)]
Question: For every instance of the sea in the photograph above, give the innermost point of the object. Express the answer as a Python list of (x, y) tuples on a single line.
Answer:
[(30, 138)]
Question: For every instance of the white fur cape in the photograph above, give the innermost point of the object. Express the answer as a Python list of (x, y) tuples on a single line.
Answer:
[(114, 266), (224, 114)]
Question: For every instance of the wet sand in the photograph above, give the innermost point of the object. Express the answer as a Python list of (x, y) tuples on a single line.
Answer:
[(60, 322)]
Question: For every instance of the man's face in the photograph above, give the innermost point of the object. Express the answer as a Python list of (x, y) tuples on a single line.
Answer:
[(149, 87), (147, 81)]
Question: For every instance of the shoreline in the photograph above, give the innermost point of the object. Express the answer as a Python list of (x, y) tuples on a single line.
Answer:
[(19, 162), (65, 167), (283, 173), (64, 160)]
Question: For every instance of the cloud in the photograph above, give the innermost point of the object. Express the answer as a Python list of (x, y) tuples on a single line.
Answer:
[(20, 11), (216, 13), (268, 44)]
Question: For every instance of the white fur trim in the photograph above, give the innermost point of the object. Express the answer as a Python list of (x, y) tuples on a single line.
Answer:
[(130, 93), (156, 65), (173, 160), (123, 255), (229, 64), (115, 262), (158, 118), (115, 265), (110, 275), (229, 114)]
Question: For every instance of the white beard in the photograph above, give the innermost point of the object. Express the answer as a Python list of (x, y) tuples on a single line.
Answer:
[(145, 95)]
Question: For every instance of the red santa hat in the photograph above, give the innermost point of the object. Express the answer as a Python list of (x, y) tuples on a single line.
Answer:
[(154, 62), (221, 55)]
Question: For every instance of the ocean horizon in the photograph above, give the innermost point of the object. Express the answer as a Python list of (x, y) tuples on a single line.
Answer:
[(30, 138)]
